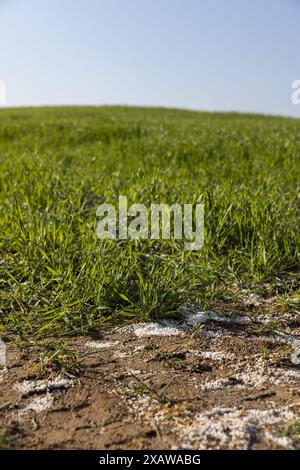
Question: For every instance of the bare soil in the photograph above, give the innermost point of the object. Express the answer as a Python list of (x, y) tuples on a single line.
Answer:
[(223, 386)]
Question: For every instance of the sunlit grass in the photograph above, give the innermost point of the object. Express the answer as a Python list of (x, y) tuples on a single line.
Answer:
[(58, 165)]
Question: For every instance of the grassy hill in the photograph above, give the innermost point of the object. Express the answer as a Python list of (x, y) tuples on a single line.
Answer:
[(59, 164)]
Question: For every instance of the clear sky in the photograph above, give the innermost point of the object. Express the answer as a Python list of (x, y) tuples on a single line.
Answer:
[(237, 55)]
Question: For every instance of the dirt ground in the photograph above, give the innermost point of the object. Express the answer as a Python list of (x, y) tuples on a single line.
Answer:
[(208, 383)]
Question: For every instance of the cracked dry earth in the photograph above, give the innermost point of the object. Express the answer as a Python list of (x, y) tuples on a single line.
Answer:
[(210, 382)]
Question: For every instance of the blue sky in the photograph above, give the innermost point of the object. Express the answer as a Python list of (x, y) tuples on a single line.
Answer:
[(210, 55)]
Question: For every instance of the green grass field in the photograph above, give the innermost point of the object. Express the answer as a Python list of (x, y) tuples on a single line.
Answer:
[(59, 164)]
